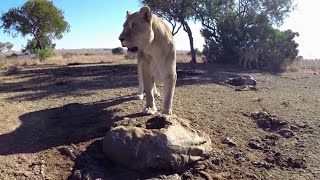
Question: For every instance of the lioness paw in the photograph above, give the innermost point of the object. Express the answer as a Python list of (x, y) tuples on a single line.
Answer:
[(168, 112), (150, 110), (139, 96)]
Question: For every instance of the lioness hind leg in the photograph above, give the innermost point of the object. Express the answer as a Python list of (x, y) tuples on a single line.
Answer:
[(148, 82), (245, 63), (169, 87), (249, 63)]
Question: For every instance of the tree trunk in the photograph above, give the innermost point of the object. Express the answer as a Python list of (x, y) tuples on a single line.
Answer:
[(39, 43), (187, 29)]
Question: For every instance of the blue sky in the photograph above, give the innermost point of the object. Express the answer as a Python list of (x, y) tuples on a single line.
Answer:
[(98, 23)]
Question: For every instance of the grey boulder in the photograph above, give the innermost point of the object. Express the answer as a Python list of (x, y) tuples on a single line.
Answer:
[(165, 143)]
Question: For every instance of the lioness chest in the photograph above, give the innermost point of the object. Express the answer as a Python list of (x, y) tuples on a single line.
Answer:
[(158, 70)]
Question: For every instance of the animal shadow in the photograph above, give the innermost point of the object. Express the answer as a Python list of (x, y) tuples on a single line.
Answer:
[(71, 123)]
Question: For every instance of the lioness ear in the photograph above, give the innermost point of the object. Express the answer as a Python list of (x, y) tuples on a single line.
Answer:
[(128, 13), (146, 13)]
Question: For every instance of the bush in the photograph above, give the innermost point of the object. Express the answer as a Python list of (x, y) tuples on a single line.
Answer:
[(33, 44), (280, 50), (13, 55), (43, 54), (118, 50)]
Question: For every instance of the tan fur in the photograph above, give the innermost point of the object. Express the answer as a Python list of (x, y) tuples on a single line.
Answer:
[(248, 57), (149, 37)]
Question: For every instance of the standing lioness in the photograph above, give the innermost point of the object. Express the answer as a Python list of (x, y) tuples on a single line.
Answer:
[(149, 37)]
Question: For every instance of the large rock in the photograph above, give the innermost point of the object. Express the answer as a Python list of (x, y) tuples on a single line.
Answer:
[(166, 143), (241, 81)]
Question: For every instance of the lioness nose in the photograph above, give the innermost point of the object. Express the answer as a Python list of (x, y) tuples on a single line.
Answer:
[(121, 38)]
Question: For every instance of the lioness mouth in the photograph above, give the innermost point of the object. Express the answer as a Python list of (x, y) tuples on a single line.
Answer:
[(134, 49)]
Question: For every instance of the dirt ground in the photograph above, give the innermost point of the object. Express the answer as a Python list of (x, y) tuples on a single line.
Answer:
[(53, 118)]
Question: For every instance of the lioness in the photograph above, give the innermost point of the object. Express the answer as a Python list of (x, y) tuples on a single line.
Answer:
[(249, 56), (149, 37)]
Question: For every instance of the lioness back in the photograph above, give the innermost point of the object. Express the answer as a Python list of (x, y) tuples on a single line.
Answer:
[(149, 37)]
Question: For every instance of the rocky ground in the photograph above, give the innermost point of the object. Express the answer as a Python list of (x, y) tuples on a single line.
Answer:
[(53, 119)]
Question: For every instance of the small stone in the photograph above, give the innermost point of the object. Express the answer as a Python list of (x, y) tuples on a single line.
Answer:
[(273, 136), (287, 133), (68, 152), (165, 177), (239, 157), (263, 164), (296, 163), (255, 145), (229, 141)]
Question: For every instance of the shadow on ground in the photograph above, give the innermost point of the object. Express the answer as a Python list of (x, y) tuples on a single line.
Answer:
[(72, 123), (80, 80), (92, 164)]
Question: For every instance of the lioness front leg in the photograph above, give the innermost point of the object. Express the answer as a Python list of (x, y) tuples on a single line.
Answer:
[(140, 93), (140, 79), (156, 92), (169, 87), (148, 81)]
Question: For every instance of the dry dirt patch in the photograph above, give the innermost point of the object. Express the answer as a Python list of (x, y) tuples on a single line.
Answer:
[(53, 119)]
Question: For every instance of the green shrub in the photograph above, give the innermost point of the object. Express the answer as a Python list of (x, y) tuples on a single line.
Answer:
[(43, 54), (118, 50), (13, 55)]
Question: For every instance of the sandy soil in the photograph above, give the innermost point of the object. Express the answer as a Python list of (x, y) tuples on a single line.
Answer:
[(54, 116)]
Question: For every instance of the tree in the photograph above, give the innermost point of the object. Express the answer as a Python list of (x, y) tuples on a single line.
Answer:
[(280, 50), (7, 46), (175, 11), (32, 45), (232, 26), (198, 52), (39, 18)]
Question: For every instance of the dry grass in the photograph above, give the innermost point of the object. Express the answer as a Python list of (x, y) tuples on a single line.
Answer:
[(69, 58), (73, 59), (294, 67), (84, 59), (304, 65), (310, 65)]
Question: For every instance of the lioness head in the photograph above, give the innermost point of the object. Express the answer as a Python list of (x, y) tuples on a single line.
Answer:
[(137, 31)]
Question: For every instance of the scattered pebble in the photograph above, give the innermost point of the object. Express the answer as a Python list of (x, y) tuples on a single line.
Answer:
[(263, 164), (287, 133), (68, 152), (255, 145), (229, 141), (240, 157)]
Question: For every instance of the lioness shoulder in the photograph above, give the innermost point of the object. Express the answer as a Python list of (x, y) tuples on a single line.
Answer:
[(148, 36)]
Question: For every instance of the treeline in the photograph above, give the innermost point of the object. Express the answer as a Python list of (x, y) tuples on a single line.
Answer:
[(232, 27)]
